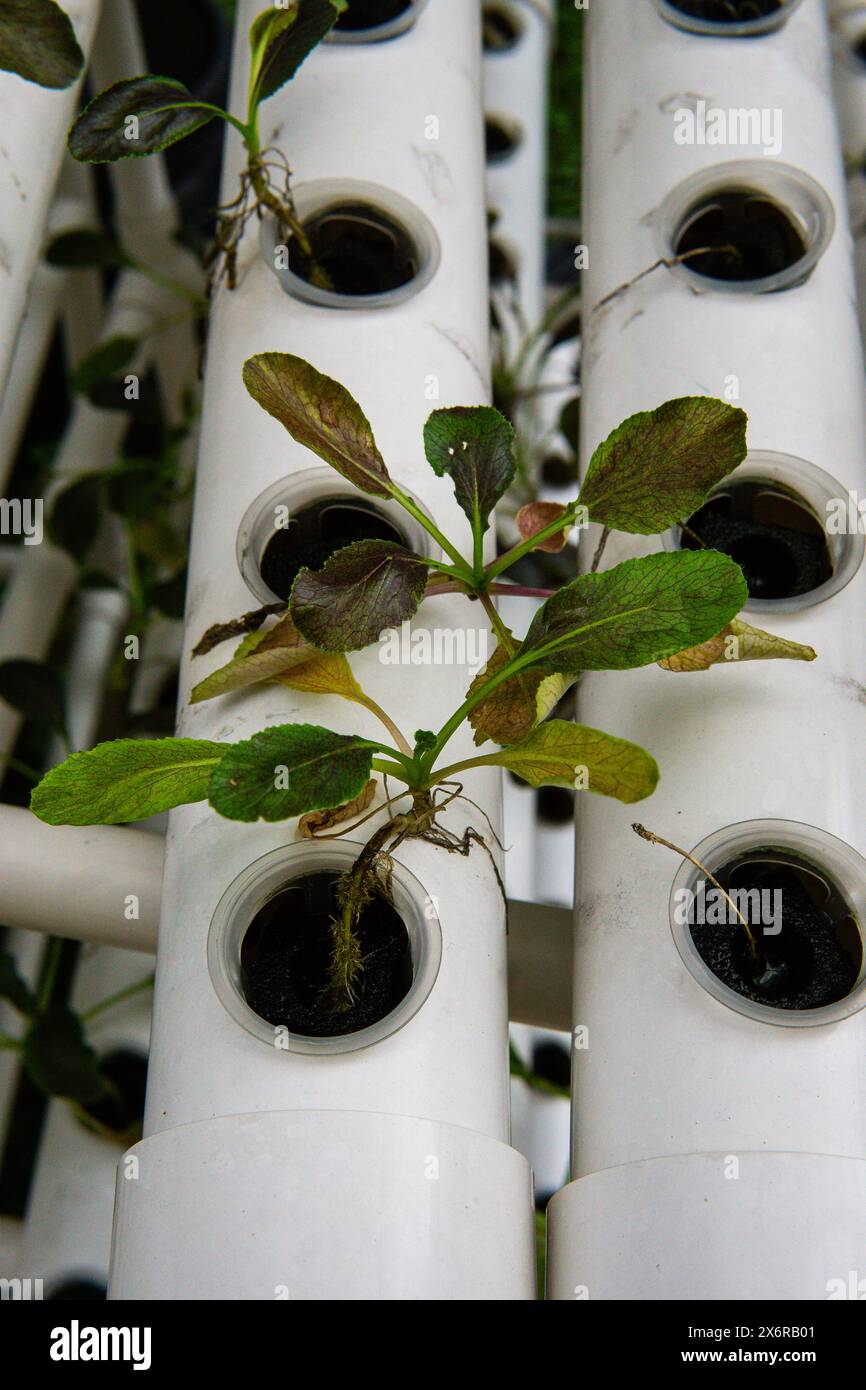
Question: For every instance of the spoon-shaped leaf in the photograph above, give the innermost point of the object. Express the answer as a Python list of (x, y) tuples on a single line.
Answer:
[(636, 613), (657, 467), (562, 754), (362, 590), (320, 414), (37, 41), (136, 117), (126, 780), (474, 445), (289, 769)]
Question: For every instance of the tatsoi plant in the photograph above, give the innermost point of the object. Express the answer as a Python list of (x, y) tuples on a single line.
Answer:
[(37, 41), (669, 607), (144, 115)]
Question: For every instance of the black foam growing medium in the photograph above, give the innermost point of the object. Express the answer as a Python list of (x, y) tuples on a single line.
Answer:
[(286, 955), (814, 958), (777, 540)]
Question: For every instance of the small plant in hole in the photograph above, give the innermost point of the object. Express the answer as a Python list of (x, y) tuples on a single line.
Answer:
[(677, 608), (798, 945), (143, 115)]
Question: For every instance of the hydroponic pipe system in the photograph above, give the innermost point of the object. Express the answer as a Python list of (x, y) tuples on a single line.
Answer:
[(716, 1153), (386, 1171)]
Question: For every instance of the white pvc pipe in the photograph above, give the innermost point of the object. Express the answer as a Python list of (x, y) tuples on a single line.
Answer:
[(99, 878), (669, 1074), (439, 1086), (515, 92), (35, 123)]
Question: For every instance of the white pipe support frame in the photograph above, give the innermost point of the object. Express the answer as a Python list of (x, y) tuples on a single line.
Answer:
[(83, 882), (665, 1076), (35, 122), (223, 1109)]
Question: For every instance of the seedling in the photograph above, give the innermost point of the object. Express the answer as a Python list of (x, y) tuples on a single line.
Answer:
[(144, 115), (654, 469)]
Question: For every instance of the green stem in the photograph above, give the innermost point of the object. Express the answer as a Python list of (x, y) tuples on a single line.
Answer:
[(385, 719), (464, 570), (138, 988), (49, 973), (403, 771), (517, 552)]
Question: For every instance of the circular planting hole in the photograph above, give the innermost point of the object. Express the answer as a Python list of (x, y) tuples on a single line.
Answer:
[(369, 248), (304, 519), (728, 11), (124, 1107), (740, 234), (810, 949), (361, 250), (78, 1291), (775, 537), (270, 952), (802, 893), (501, 28), (501, 139), (728, 18), (554, 805), (315, 533), (749, 226), (286, 955), (371, 14)]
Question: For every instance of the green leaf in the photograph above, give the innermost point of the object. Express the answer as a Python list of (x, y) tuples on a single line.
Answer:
[(37, 41), (363, 589), (76, 515), (657, 467), (517, 705), (103, 363), (535, 516), (280, 40), (289, 769), (474, 445), (562, 754), (126, 780), (59, 1060), (84, 249), (136, 117), (262, 656), (636, 613), (12, 987), (34, 689), (738, 642), (320, 414)]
